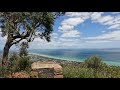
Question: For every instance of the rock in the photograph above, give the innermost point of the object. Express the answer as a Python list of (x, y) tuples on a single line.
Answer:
[(19, 75), (58, 76), (33, 74), (57, 71), (47, 69)]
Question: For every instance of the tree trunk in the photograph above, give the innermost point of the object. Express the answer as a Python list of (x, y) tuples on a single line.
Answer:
[(5, 53)]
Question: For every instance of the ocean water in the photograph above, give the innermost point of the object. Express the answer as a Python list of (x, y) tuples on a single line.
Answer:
[(109, 56)]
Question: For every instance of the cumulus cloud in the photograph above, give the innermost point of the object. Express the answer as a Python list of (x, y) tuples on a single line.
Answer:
[(115, 12), (113, 22), (97, 42), (72, 21), (73, 33), (116, 26), (104, 19), (63, 39), (96, 16), (83, 15), (69, 36), (67, 27), (54, 35), (115, 35)]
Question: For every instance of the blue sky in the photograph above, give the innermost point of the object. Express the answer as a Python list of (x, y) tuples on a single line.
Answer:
[(81, 30)]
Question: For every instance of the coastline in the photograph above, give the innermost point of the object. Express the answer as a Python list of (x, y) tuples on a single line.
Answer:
[(41, 57), (44, 58), (52, 57)]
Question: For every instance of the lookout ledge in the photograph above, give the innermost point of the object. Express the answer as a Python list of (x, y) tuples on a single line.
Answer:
[(47, 69)]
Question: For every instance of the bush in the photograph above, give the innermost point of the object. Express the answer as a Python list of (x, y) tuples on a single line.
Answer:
[(24, 63), (94, 62), (18, 63), (3, 71), (13, 63), (72, 71)]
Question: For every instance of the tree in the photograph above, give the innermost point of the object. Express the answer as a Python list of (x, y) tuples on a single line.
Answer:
[(25, 25)]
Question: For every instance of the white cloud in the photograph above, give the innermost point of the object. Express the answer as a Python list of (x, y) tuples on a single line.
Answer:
[(73, 33), (83, 15), (115, 35), (113, 22), (65, 28), (104, 19), (115, 12), (72, 21), (71, 42), (67, 35), (98, 41), (54, 35), (38, 40), (96, 15), (116, 26), (63, 39)]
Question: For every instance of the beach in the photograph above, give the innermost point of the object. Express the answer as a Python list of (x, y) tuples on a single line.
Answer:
[(34, 57)]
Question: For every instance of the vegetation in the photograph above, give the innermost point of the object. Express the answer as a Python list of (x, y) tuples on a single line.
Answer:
[(93, 67), (18, 26), (17, 62), (26, 26), (94, 62)]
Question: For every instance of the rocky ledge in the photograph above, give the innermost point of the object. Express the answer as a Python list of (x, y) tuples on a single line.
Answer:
[(47, 69)]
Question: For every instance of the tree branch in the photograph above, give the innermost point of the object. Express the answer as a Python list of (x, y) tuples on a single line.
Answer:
[(16, 41)]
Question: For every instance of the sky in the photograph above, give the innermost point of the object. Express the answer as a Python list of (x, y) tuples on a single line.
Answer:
[(81, 30)]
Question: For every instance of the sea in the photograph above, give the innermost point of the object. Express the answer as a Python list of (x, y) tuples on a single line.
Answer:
[(110, 56)]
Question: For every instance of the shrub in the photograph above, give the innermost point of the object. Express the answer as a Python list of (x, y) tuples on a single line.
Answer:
[(18, 63), (94, 62), (13, 64), (3, 71), (72, 71), (24, 63)]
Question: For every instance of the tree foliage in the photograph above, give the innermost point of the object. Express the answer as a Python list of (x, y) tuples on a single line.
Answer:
[(23, 49), (18, 26), (26, 25)]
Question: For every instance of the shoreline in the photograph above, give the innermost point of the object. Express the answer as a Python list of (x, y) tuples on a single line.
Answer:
[(46, 56), (50, 58), (43, 58)]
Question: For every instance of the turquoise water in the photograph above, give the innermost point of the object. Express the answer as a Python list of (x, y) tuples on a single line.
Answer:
[(109, 56)]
